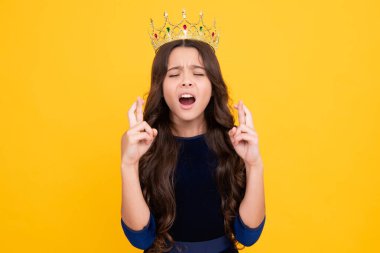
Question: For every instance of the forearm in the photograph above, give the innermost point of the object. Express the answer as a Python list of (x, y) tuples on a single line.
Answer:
[(134, 209), (252, 207)]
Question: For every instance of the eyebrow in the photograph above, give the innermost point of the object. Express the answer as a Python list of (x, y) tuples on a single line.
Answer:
[(192, 66)]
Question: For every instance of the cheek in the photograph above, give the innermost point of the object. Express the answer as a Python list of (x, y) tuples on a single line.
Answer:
[(207, 90), (168, 92)]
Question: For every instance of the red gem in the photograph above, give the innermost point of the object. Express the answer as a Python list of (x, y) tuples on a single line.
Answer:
[(155, 35), (184, 27), (212, 34)]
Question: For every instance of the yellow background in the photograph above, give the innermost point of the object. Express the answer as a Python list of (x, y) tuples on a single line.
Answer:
[(307, 70)]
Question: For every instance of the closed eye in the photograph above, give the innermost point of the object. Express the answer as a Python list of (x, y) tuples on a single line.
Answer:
[(194, 74)]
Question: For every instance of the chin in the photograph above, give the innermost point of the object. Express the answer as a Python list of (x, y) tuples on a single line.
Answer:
[(189, 116)]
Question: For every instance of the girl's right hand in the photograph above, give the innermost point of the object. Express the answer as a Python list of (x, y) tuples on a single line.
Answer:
[(138, 138)]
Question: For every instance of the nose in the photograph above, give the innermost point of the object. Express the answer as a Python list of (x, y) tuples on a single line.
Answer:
[(186, 81), (186, 84)]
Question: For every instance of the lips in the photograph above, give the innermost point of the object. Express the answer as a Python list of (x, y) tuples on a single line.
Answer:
[(187, 98)]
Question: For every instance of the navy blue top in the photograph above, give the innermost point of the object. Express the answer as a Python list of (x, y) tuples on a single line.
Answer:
[(198, 202)]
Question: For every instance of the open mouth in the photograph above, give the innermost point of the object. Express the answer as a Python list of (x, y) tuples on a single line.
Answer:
[(187, 99)]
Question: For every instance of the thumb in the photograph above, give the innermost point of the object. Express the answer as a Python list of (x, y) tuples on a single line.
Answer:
[(231, 134), (232, 140), (232, 131)]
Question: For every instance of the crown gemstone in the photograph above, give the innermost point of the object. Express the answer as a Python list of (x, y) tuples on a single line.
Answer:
[(184, 27), (212, 34), (168, 29), (155, 35), (201, 28)]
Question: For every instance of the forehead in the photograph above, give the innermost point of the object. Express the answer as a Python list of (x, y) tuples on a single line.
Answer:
[(182, 56)]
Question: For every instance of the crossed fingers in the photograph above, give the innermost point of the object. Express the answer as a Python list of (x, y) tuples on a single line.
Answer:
[(245, 120), (244, 115), (138, 117), (136, 120)]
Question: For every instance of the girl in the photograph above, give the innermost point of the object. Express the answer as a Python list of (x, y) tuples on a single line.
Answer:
[(192, 181)]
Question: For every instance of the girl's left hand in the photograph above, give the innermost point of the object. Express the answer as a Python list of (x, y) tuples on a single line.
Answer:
[(244, 138)]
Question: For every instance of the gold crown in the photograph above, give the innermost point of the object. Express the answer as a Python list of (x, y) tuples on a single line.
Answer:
[(183, 30)]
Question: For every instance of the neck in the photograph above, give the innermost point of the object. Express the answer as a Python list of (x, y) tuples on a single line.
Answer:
[(183, 128)]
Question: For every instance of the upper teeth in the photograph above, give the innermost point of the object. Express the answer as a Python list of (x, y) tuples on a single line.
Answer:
[(186, 96)]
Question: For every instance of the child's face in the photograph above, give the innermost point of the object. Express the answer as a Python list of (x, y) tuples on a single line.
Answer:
[(184, 77)]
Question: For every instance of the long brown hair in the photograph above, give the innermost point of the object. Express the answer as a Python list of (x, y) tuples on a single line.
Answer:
[(157, 165)]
